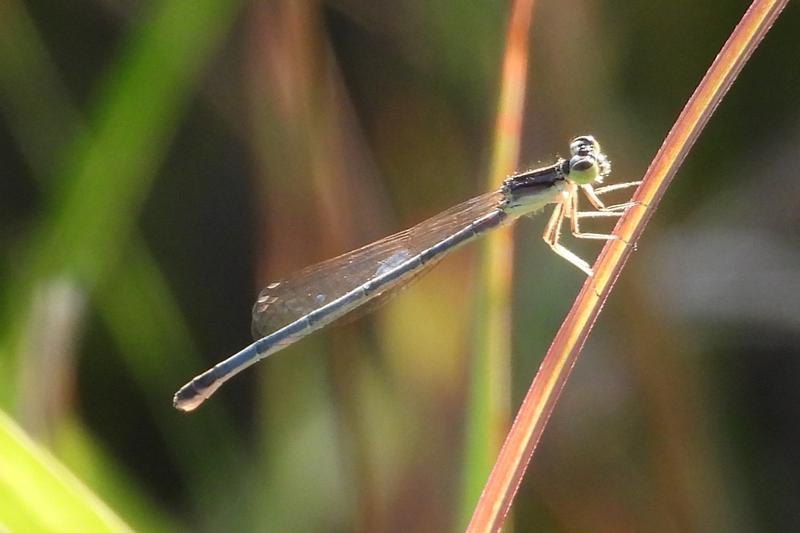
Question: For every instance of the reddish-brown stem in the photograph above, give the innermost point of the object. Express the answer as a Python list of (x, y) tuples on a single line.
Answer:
[(540, 400)]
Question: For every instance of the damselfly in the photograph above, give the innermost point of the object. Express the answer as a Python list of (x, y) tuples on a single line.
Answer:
[(288, 310)]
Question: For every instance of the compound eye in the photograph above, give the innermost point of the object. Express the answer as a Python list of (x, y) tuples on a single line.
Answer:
[(584, 145), (583, 169)]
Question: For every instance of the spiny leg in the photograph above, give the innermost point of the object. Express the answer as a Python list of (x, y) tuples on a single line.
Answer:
[(598, 204), (575, 212), (552, 233), (617, 186), (574, 215), (599, 214)]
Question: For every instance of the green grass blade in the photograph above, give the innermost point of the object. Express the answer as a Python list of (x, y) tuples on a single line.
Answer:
[(102, 188), (152, 336), (37, 493)]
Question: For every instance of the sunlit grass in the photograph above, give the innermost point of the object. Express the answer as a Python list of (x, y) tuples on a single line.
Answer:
[(37, 493)]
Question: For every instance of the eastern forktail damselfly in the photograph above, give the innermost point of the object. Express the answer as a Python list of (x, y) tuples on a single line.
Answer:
[(287, 311)]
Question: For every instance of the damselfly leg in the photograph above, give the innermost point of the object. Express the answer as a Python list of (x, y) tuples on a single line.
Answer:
[(568, 207), (594, 196)]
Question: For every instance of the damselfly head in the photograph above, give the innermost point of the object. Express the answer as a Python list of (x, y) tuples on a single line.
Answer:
[(588, 163)]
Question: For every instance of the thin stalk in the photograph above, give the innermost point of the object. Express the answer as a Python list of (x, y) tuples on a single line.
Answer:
[(540, 400), (488, 403)]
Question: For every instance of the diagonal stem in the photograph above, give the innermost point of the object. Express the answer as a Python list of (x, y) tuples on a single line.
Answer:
[(540, 400)]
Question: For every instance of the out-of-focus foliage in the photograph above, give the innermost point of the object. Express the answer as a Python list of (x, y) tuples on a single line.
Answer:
[(31, 479), (162, 160)]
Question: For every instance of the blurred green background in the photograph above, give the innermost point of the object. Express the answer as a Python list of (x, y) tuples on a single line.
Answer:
[(163, 160)]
